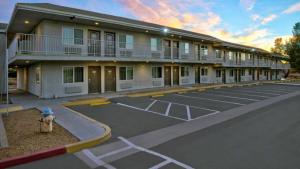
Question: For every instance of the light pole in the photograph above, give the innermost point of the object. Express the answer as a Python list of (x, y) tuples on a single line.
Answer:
[(6, 74)]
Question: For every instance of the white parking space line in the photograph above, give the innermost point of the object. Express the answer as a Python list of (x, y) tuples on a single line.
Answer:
[(168, 109), (137, 108), (292, 84), (195, 107), (155, 154), (188, 111), (273, 91), (241, 94), (95, 159), (150, 105), (215, 100), (247, 91), (166, 162), (114, 152), (233, 97)]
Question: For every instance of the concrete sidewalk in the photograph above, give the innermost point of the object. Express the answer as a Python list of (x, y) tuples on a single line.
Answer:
[(80, 126)]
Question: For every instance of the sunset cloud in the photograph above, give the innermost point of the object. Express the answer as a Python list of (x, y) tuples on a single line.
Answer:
[(293, 8), (268, 19), (168, 14)]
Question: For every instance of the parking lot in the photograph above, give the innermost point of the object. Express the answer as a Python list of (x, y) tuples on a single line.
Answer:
[(268, 135)]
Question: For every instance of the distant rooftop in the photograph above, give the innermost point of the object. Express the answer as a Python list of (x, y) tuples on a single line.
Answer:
[(3, 26)]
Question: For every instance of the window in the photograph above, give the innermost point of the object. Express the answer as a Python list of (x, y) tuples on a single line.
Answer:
[(243, 72), (37, 75), (72, 36), (231, 73), (126, 73), (230, 55), (260, 72), (243, 57), (204, 71), (204, 50), (72, 74), (218, 73), (184, 71), (155, 44), (126, 41), (186, 48), (218, 53), (250, 72), (156, 72)]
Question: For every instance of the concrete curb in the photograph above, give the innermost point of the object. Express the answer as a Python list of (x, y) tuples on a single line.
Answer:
[(69, 148)]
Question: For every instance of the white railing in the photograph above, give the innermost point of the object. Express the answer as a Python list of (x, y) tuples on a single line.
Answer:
[(43, 45)]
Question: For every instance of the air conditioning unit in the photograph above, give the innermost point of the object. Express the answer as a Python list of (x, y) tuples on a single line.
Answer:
[(156, 55), (72, 50), (125, 53)]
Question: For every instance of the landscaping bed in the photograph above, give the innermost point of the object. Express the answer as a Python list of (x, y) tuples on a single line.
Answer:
[(24, 137)]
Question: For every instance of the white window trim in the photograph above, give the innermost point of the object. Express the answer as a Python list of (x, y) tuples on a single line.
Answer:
[(126, 79), (126, 47), (73, 43), (156, 44), (73, 75), (188, 70), (158, 78), (186, 51)]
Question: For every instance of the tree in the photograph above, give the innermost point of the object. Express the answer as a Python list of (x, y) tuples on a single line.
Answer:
[(293, 47), (279, 46)]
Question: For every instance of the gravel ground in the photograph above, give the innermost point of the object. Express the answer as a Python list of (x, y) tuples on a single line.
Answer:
[(22, 129)]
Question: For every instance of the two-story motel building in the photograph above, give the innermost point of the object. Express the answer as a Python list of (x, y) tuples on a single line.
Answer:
[(60, 51)]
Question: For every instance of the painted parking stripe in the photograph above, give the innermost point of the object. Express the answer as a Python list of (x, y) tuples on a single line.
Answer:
[(215, 100), (168, 109), (188, 111), (245, 94), (233, 97), (137, 108), (155, 154), (159, 165), (96, 160), (195, 107), (246, 91), (150, 105)]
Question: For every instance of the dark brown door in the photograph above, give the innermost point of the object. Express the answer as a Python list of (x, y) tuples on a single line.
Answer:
[(175, 49), (94, 45), (110, 45), (175, 75), (110, 78), (258, 72), (167, 75), (224, 76), (197, 75), (167, 49), (94, 79)]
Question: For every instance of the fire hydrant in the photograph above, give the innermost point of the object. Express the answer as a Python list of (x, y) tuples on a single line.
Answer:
[(46, 120)]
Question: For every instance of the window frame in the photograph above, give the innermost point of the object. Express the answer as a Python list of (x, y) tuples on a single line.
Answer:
[(218, 73), (127, 46), (152, 39), (185, 72), (73, 75), (160, 76), (126, 73), (73, 38), (204, 72), (186, 48)]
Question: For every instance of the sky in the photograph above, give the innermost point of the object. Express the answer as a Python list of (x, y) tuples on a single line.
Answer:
[(251, 22)]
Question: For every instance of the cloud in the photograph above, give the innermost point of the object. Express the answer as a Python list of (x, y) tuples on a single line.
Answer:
[(255, 17), (171, 13), (293, 8), (248, 4), (268, 19)]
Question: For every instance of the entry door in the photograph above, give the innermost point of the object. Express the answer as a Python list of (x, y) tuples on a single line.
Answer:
[(167, 75), (253, 74), (257, 74), (94, 44), (110, 46), (235, 75), (239, 75), (94, 79), (175, 75), (224, 76), (110, 78), (175, 49), (167, 49), (197, 75)]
